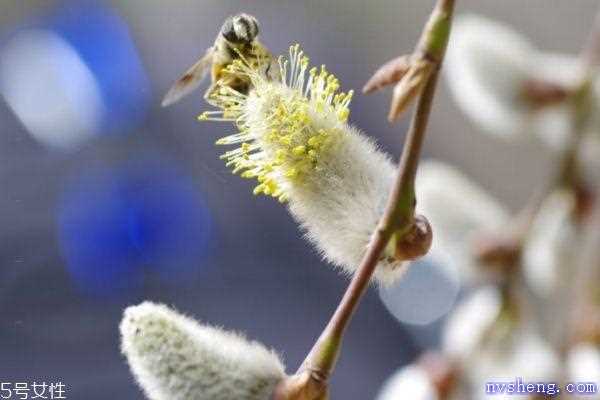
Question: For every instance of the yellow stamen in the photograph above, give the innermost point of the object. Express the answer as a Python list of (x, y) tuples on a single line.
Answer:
[(282, 143)]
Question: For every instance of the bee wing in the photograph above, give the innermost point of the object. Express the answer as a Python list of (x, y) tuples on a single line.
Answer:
[(190, 80)]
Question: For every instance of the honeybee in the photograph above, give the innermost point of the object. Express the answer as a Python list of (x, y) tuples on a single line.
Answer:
[(238, 38)]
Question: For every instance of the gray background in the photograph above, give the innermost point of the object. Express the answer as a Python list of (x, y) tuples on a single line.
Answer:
[(263, 279)]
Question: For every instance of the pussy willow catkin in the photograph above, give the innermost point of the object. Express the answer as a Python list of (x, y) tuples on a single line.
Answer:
[(173, 357), (294, 139)]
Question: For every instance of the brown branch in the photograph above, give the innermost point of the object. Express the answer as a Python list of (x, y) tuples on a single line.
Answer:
[(505, 248), (320, 360), (398, 214)]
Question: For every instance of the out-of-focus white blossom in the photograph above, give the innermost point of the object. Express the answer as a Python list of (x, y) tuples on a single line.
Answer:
[(457, 209), (411, 382), (583, 363), (549, 256), (485, 66), (469, 322), (173, 357), (589, 159), (553, 123), (491, 347), (522, 354), (294, 140), (549, 261), (488, 66), (50, 89)]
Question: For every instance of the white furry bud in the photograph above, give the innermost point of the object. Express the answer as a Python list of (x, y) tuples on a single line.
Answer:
[(340, 209), (173, 357), (489, 67)]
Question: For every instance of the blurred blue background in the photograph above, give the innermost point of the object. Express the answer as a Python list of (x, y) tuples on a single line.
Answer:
[(108, 199)]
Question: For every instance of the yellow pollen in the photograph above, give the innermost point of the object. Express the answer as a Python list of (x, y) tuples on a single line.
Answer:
[(285, 141), (299, 150)]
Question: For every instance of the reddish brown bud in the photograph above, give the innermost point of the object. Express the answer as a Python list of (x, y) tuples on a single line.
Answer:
[(498, 251), (584, 203), (540, 93), (409, 87), (416, 242), (390, 72)]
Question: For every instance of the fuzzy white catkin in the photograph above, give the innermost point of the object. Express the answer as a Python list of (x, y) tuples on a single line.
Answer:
[(295, 140), (487, 65), (339, 208), (173, 357), (339, 204)]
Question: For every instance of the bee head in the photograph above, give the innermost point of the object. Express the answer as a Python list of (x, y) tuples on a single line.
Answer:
[(240, 29)]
